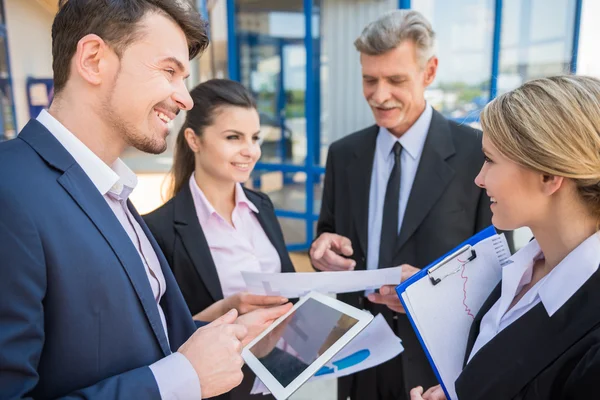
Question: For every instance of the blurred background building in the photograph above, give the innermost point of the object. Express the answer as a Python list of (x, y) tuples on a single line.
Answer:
[(298, 58)]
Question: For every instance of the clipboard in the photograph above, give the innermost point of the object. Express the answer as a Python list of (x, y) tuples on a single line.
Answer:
[(483, 250)]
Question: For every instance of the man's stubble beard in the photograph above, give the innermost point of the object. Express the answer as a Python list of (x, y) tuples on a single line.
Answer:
[(132, 136)]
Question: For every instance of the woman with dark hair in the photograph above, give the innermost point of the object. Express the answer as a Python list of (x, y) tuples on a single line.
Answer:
[(212, 228)]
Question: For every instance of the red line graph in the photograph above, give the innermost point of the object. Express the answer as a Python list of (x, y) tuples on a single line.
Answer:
[(466, 278)]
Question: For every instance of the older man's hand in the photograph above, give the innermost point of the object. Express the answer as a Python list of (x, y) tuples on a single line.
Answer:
[(387, 293)]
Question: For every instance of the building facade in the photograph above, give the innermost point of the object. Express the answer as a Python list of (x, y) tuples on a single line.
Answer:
[(298, 58)]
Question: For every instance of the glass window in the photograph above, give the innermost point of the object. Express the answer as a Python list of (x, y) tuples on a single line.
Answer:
[(7, 120), (464, 31), (272, 65), (536, 40), (2, 14), (344, 109), (213, 63)]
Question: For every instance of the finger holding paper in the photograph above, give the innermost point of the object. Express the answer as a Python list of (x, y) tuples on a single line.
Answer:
[(387, 293), (434, 393), (388, 297), (330, 251), (243, 302)]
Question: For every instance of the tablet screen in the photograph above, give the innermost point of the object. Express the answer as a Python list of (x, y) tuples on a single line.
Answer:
[(300, 339)]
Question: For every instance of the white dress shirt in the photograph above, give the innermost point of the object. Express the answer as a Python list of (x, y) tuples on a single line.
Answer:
[(174, 374), (552, 291), (412, 143)]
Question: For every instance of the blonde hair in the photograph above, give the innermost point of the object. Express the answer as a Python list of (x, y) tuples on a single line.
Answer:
[(394, 27), (551, 125)]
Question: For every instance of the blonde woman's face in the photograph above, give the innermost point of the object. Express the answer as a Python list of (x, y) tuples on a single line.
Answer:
[(516, 194)]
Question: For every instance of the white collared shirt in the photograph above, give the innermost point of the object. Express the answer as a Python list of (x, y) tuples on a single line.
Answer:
[(552, 291), (412, 141), (175, 376)]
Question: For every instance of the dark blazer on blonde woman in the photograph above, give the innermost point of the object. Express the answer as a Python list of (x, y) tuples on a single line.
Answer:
[(538, 357)]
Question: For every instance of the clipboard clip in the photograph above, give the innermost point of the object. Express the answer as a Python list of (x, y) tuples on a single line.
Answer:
[(457, 253)]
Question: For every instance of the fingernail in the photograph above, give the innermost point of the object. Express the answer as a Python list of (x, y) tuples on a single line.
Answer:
[(383, 290), (371, 297), (283, 300), (231, 312)]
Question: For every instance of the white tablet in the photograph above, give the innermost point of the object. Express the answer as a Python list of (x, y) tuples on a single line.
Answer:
[(300, 342)]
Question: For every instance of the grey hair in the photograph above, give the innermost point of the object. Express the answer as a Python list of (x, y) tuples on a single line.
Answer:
[(394, 27)]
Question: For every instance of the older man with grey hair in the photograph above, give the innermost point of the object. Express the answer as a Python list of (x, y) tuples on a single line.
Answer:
[(399, 192)]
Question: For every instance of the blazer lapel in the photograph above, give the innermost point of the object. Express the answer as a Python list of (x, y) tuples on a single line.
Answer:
[(476, 325), (433, 175), (173, 304), (502, 368), (358, 174), (86, 195), (268, 221), (193, 239)]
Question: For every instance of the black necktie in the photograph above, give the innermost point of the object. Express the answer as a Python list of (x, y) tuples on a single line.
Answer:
[(389, 223)]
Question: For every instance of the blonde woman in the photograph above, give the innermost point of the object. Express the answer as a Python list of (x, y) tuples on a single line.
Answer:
[(538, 334)]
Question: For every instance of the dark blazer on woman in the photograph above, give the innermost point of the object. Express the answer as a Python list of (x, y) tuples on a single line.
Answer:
[(179, 234), (537, 356)]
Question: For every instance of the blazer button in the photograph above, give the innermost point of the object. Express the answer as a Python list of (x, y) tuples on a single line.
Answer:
[(363, 259)]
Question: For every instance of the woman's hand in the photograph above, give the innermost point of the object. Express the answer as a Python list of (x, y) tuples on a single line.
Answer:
[(243, 302), (433, 393), (258, 320)]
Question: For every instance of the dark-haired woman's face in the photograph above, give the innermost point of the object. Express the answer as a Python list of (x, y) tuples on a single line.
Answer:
[(229, 148)]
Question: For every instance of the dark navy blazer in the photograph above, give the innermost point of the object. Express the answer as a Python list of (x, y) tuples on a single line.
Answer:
[(77, 315)]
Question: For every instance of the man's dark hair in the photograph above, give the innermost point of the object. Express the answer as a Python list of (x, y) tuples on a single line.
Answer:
[(117, 23)]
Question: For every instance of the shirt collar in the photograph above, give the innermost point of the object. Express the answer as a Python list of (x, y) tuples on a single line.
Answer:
[(413, 139), (117, 179), (570, 274), (203, 207), (516, 273), (241, 198)]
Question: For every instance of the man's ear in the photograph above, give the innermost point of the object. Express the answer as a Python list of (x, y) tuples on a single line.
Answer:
[(92, 58), (430, 70)]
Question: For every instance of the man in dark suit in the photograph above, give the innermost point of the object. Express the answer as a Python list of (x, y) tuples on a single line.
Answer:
[(399, 192), (89, 307)]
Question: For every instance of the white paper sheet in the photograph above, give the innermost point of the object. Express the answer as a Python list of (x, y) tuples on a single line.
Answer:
[(444, 313), (292, 285), (376, 344)]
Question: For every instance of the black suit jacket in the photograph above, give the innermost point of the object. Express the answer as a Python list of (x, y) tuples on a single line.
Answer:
[(179, 234), (537, 356), (445, 208)]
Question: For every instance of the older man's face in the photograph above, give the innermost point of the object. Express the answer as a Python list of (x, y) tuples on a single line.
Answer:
[(394, 84)]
